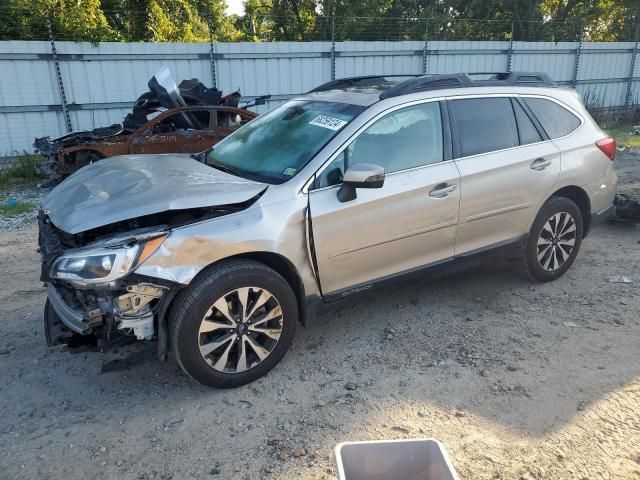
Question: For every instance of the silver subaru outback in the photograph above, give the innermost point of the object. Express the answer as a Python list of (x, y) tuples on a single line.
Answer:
[(360, 182)]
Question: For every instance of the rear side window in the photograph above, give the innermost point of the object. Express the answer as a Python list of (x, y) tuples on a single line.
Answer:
[(526, 129), (484, 125), (186, 120), (557, 121)]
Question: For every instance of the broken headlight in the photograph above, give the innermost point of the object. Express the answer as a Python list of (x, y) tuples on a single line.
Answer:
[(102, 265)]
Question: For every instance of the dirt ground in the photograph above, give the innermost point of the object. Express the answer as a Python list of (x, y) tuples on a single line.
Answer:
[(518, 380)]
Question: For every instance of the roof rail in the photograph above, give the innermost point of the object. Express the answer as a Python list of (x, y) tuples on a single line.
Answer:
[(361, 81), (421, 83), (516, 78), (459, 80), (428, 82)]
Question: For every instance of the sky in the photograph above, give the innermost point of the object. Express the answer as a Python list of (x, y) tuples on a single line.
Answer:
[(235, 7)]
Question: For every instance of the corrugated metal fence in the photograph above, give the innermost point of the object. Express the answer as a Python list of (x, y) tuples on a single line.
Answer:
[(101, 82)]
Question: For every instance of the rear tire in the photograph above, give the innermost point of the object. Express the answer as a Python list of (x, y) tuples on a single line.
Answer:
[(233, 324), (554, 241)]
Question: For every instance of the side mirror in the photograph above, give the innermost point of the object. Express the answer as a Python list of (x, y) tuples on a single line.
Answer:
[(360, 175)]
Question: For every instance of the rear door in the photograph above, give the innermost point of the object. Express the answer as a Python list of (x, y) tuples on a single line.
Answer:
[(409, 222), (187, 131), (507, 166)]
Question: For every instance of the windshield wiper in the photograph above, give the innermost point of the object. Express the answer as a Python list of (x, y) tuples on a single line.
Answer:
[(226, 169), (201, 156)]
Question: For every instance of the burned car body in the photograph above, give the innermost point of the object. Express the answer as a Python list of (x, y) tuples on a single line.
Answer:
[(165, 133), (167, 119)]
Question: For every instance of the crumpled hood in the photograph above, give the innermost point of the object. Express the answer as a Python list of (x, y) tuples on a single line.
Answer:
[(130, 186)]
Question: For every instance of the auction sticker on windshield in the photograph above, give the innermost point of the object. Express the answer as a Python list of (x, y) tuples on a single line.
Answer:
[(328, 122)]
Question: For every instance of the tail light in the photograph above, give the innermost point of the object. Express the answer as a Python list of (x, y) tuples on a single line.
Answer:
[(608, 147)]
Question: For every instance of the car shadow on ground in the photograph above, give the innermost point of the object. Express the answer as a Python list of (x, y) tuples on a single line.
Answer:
[(542, 344), (525, 356)]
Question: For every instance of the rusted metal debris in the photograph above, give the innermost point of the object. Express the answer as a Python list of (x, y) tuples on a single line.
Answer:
[(188, 118)]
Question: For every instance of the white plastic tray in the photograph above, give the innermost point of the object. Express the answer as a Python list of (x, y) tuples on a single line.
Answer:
[(417, 459)]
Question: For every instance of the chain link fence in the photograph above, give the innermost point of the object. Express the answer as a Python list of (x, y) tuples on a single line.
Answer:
[(54, 85), (20, 23), (339, 29)]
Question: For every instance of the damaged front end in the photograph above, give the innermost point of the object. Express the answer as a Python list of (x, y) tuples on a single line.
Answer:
[(99, 227), (93, 298)]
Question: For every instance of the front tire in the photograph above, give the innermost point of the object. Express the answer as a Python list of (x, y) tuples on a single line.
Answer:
[(55, 332), (233, 324), (554, 241)]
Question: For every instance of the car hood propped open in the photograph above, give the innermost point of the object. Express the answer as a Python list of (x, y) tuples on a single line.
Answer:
[(132, 186)]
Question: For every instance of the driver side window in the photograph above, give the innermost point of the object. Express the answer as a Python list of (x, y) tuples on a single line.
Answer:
[(406, 138), (332, 175)]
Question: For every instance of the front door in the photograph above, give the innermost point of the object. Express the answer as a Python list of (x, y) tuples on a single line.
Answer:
[(408, 223)]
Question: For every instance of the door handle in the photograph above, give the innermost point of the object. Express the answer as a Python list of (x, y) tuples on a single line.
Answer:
[(442, 190), (540, 164)]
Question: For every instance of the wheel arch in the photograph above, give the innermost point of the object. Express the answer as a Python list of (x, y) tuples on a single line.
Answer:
[(283, 266), (77, 149), (580, 197), (69, 158)]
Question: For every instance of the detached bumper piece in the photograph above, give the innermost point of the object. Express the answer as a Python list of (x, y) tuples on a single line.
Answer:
[(627, 209), (72, 318)]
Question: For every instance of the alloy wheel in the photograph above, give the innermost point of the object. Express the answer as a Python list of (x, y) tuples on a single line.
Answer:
[(556, 241), (240, 330)]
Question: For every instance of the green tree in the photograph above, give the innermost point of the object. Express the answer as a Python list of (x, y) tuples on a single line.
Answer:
[(128, 17), (604, 20), (70, 20), (256, 23), (198, 20), (213, 13)]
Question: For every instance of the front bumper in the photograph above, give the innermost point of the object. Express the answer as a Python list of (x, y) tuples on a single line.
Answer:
[(72, 318)]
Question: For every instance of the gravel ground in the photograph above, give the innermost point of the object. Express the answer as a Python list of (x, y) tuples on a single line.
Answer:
[(518, 380), (32, 195), (628, 168)]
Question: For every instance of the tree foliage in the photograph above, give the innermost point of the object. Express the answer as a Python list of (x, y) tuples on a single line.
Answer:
[(117, 20), (80, 21), (270, 20)]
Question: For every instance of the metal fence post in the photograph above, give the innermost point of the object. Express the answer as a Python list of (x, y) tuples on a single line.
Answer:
[(56, 65), (510, 52), (333, 47), (425, 48), (632, 69), (576, 69), (212, 59)]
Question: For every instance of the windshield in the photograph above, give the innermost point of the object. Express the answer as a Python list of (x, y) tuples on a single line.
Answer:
[(277, 145)]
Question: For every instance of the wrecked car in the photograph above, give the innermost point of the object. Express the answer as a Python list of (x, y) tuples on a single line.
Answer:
[(351, 187), (166, 133), (187, 118)]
